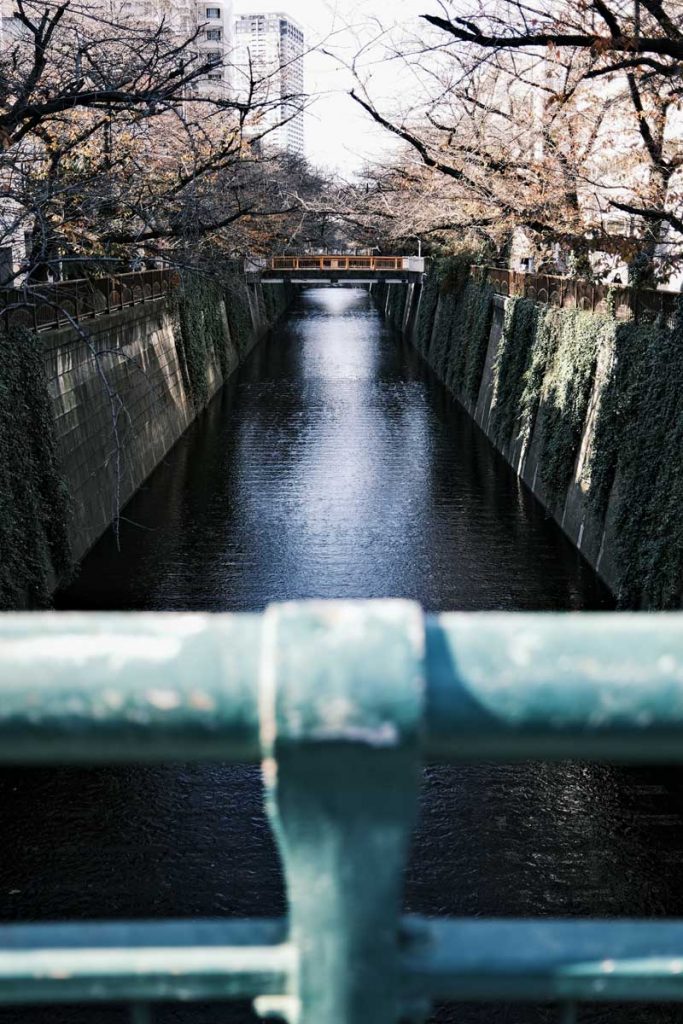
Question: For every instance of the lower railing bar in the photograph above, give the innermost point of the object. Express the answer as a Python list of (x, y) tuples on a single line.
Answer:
[(463, 960), (143, 961), (544, 960)]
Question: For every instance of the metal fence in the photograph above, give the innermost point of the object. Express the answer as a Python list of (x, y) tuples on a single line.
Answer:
[(47, 306), (344, 262), (573, 293), (341, 703)]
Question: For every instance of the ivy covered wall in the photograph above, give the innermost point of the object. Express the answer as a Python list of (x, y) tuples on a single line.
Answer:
[(218, 323), (34, 540), (86, 416), (202, 340), (587, 409), (637, 461), (452, 324), (543, 379)]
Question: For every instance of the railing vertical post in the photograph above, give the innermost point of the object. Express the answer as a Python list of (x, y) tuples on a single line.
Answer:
[(341, 709)]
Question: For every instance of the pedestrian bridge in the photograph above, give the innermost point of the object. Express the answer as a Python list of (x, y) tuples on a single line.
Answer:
[(331, 268)]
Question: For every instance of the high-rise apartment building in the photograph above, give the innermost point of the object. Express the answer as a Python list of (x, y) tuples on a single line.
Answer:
[(215, 42), (211, 20), (272, 44)]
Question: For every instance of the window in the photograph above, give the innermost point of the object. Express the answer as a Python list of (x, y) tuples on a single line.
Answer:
[(214, 35), (213, 12), (215, 56)]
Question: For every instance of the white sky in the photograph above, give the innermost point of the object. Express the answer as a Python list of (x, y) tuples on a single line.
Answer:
[(339, 135)]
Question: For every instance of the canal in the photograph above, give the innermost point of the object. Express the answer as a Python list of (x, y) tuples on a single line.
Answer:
[(334, 465)]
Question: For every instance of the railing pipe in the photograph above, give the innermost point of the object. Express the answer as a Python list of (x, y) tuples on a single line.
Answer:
[(553, 686), (492, 959), (543, 960), (112, 687), (143, 960), (121, 688)]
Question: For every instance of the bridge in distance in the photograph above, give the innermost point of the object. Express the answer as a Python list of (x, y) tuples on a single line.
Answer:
[(338, 269)]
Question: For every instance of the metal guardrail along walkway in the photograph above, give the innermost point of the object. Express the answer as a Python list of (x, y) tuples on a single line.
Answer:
[(46, 306), (626, 303), (341, 703)]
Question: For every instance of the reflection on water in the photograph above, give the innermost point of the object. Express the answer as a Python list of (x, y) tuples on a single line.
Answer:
[(334, 465)]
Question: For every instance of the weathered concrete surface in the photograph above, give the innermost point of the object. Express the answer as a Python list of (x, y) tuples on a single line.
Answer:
[(121, 402), (594, 538)]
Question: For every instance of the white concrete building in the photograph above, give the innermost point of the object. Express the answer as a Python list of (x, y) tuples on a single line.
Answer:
[(215, 21), (272, 44)]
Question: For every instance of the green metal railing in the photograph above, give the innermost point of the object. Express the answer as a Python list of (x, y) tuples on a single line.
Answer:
[(341, 703)]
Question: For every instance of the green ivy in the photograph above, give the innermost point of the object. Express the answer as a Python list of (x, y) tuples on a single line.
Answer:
[(398, 294), (440, 355), (201, 337), (453, 325), (544, 376), (567, 388), (546, 340), (638, 442), (513, 358), (425, 314), (34, 507), (544, 369), (453, 272), (478, 301), (274, 301), (239, 314)]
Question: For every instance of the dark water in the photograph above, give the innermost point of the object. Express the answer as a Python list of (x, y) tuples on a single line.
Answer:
[(335, 465)]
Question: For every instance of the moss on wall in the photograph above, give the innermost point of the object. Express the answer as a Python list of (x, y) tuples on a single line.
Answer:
[(512, 359), (33, 500), (396, 306), (201, 336), (239, 314), (271, 300)]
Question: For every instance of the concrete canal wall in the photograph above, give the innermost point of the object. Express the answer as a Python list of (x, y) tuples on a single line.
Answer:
[(588, 411), (103, 405)]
